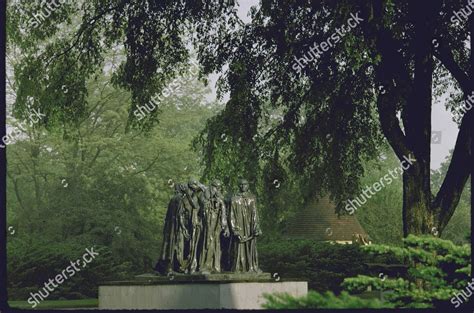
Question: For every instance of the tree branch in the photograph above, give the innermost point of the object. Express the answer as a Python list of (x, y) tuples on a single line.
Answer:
[(82, 29), (387, 72), (17, 191), (450, 192), (148, 167), (391, 126), (446, 57)]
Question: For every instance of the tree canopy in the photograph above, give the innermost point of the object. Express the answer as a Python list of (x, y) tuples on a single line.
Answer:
[(375, 83)]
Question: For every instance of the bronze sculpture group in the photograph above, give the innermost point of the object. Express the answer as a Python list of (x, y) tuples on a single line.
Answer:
[(205, 233)]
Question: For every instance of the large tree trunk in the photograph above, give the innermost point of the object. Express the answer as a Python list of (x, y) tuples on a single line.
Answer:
[(416, 116), (421, 213), (417, 214)]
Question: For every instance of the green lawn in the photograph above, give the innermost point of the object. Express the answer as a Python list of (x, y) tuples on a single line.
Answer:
[(56, 304)]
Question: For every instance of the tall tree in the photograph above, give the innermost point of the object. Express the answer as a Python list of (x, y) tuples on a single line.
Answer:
[(409, 77)]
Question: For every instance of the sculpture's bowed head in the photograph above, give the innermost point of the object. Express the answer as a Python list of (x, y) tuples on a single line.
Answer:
[(216, 183), (193, 184), (216, 187), (180, 188)]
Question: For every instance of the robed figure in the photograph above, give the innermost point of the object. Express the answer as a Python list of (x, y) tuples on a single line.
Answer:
[(191, 220), (175, 237), (245, 228), (226, 241), (214, 224)]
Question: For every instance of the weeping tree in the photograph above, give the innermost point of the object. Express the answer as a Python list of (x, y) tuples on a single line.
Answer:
[(372, 81)]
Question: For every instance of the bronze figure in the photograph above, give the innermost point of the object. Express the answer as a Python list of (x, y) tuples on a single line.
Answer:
[(205, 232), (193, 222), (245, 228), (174, 236), (214, 223)]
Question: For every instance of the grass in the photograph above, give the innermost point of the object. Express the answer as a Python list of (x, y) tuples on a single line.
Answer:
[(56, 304)]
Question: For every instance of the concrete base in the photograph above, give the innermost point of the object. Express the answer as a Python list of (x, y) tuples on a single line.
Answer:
[(209, 294)]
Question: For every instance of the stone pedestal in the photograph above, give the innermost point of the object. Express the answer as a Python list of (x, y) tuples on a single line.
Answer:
[(214, 291)]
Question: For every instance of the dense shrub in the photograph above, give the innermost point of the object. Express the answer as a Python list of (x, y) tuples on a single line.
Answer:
[(323, 301), (438, 270), (32, 264), (322, 264)]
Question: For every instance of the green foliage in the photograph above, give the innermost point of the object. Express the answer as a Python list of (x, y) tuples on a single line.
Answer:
[(381, 216), (322, 264), (327, 300), (438, 269), (57, 304), (70, 46), (32, 263), (306, 124)]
